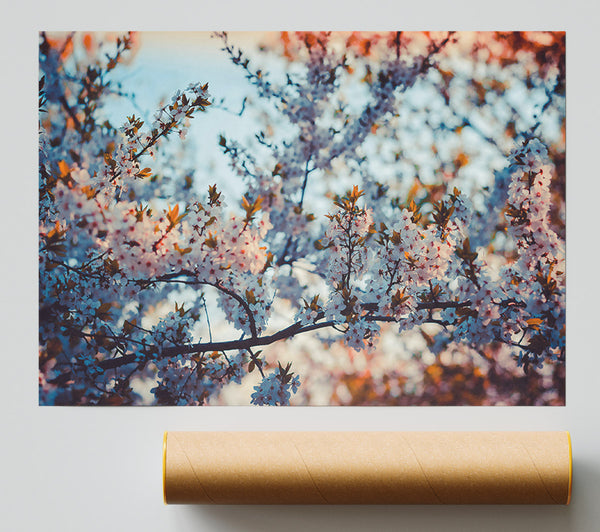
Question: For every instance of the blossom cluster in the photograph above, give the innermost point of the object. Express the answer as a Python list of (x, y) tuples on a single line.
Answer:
[(275, 389)]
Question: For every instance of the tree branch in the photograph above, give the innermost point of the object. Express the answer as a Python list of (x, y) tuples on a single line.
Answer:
[(249, 343), (243, 344), (172, 278), (70, 112)]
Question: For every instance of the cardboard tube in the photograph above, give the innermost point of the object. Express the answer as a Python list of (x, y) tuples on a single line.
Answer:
[(367, 467)]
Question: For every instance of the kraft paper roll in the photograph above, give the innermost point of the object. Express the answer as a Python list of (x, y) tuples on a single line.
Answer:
[(367, 468)]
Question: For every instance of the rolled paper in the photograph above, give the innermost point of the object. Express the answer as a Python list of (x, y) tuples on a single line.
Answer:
[(367, 467)]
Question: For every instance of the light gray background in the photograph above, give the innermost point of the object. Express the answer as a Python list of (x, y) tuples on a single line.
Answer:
[(88, 469)]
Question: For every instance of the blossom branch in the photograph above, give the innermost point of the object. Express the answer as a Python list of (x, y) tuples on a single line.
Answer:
[(257, 341), (172, 278)]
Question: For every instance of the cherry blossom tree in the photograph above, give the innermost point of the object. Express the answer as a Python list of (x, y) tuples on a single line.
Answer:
[(398, 237)]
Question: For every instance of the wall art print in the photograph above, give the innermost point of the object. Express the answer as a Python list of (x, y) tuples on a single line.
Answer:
[(312, 218)]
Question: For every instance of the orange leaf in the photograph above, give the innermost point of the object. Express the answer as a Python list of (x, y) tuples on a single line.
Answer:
[(64, 168)]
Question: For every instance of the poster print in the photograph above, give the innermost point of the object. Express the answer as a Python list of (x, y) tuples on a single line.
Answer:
[(316, 218)]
